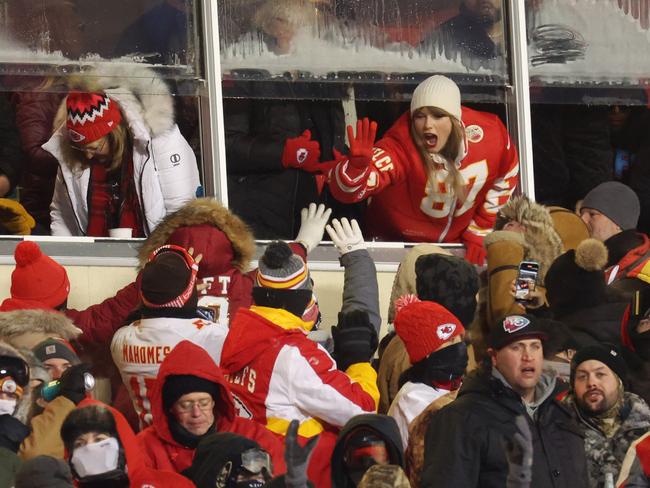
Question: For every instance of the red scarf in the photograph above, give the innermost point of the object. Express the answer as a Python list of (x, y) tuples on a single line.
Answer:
[(112, 200), (450, 385)]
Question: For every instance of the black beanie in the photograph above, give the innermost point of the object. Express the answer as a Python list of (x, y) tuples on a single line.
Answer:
[(604, 353), (91, 418), (178, 385), (165, 279), (450, 281), (576, 279)]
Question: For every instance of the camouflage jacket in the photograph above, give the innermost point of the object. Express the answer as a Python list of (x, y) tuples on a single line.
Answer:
[(606, 455)]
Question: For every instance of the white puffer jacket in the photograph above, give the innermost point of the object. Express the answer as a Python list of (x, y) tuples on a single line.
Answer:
[(164, 166)]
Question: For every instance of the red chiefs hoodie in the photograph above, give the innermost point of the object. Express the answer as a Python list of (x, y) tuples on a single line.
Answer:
[(161, 450)]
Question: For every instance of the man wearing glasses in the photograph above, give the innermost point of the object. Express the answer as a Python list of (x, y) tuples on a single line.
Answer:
[(189, 402)]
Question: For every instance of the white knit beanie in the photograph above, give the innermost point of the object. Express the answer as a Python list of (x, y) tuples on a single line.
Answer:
[(437, 91)]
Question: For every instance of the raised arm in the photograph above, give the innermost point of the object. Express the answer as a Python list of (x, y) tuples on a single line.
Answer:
[(367, 170), (360, 289)]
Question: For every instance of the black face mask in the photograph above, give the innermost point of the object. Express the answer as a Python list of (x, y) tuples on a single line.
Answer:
[(441, 366), (183, 436)]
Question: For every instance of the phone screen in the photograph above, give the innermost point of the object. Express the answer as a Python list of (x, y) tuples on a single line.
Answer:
[(526, 279)]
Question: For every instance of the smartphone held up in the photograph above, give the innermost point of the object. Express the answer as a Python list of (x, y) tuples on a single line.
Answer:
[(526, 280)]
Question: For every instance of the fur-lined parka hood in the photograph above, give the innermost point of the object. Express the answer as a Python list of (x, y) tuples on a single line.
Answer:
[(51, 323), (212, 230), (541, 242), (24, 404)]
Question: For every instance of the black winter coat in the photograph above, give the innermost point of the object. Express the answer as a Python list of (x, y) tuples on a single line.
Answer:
[(464, 444), (264, 194), (571, 150)]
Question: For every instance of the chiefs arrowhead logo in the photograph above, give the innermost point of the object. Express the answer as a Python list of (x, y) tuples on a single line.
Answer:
[(301, 155), (474, 133), (445, 331), (514, 323), (75, 136)]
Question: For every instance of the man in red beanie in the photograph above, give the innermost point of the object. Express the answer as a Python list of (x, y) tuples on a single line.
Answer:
[(433, 339)]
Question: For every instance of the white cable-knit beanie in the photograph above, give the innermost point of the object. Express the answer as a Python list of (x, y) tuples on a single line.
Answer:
[(437, 91)]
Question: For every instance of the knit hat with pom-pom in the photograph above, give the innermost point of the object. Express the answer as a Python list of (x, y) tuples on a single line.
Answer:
[(282, 280), (37, 277), (280, 268), (576, 279)]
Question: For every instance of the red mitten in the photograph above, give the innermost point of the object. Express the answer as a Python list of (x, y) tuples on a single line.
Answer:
[(362, 143), (301, 153), (475, 253)]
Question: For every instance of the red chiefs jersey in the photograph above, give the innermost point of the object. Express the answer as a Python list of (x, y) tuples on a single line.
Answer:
[(406, 205)]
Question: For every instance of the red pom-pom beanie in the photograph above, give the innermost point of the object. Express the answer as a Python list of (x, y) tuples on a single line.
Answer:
[(424, 327), (38, 277)]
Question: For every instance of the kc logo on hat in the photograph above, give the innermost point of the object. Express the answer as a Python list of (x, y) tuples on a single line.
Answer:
[(514, 323), (301, 155), (445, 331)]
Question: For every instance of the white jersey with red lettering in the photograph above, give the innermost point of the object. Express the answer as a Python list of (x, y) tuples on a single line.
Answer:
[(139, 348)]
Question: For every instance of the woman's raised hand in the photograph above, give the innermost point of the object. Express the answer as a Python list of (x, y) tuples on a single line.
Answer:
[(362, 143)]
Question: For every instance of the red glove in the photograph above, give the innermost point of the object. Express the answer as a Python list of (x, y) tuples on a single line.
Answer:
[(302, 153), (361, 145), (475, 253)]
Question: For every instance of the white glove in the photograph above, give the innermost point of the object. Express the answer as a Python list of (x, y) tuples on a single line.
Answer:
[(346, 236), (312, 225)]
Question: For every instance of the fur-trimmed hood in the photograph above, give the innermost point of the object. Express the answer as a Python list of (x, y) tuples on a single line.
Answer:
[(541, 241), (141, 93), (48, 322), (212, 230), (24, 405)]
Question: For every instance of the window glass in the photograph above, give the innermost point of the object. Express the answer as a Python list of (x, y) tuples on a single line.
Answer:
[(351, 40), (575, 44), (295, 65), (142, 53), (160, 32), (588, 75)]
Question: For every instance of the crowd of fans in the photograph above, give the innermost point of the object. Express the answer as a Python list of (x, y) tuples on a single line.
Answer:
[(473, 386)]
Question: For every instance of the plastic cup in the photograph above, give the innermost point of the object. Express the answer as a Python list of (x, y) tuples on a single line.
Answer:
[(121, 232)]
